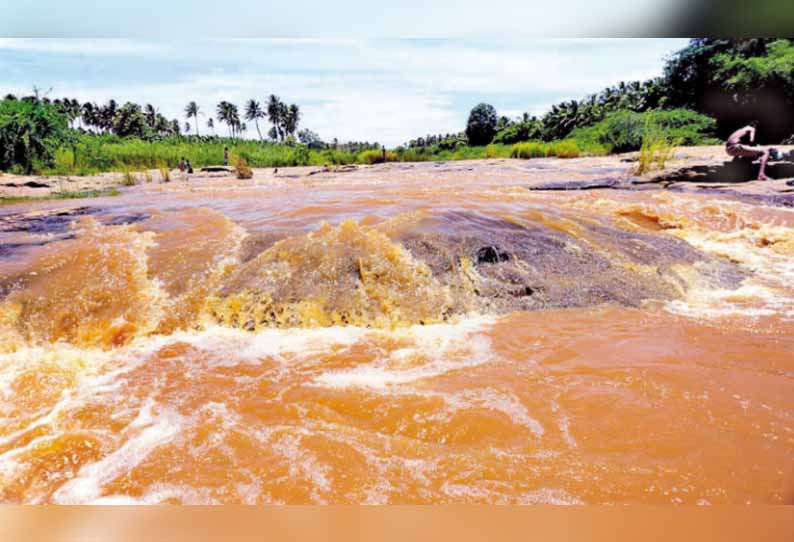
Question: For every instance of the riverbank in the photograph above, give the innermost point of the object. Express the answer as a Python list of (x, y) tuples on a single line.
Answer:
[(692, 169)]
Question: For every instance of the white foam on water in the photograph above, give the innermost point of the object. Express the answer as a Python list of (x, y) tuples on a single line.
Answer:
[(157, 494), (565, 428), (762, 249), (306, 343), (564, 424), (228, 346), (304, 464), (503, 402), (750, 300), (434, 350), (150, 431)]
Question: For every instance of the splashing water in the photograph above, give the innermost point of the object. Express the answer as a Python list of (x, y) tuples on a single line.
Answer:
[(367, 341)]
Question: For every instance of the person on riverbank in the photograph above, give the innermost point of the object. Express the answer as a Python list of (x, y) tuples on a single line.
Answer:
[(226, 156), (734, 147)]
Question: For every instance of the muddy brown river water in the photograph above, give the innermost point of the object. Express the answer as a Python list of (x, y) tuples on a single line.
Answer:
[(415, 333)]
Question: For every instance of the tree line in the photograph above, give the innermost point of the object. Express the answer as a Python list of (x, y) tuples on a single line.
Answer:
[(734, 81), (146, 122)]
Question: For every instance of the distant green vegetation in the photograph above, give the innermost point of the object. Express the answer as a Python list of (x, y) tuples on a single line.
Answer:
[(623, 131), (566, 148), (95, 154), (708, 89), (733, 81), (29, 134), (92, 154)]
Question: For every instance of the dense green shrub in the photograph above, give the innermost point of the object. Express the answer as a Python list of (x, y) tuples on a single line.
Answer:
[(736, 81), (520, 131), (452, 143), (30, 133), (623, 131)]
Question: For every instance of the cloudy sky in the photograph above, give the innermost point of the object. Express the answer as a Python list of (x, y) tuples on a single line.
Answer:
[(384, 90)]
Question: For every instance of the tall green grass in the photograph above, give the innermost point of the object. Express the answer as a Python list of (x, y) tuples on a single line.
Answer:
[(625, 131), (529, 149), (93, 154), (566, 148), (657, 148), (374, 156)]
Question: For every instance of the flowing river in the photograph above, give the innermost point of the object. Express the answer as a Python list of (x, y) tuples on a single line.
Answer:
[(421, 333)]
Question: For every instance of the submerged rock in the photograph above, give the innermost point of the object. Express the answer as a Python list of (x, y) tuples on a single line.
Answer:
[(452, 265), (578, 185)]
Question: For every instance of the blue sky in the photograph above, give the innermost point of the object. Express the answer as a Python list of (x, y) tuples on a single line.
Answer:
[(386, 90)]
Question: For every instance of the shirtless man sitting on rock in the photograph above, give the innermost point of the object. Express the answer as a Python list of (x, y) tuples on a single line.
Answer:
[(734, 147)]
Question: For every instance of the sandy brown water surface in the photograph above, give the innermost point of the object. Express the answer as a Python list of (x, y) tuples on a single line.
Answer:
[(414, 333)]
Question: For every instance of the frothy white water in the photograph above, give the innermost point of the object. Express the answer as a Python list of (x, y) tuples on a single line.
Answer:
[(503, 402), (432, 351), (749, 300), (148, 432), (104, 377), (766, 251)]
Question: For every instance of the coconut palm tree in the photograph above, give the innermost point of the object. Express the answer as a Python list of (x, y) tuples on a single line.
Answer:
[(211, 125), (234, 115), (161, 125), (227, 112), (222, 112), (192, 110), (91, 115), (76, 111), (275, 113), (107, 115), (254, 112), (291, 119)]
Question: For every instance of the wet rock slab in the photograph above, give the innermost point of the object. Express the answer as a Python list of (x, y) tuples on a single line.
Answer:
[(592, 184), (491, 265), (540, 267)]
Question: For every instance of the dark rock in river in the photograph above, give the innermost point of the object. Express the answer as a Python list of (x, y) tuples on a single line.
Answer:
[(491, 254), (549, 267), (577, 185)]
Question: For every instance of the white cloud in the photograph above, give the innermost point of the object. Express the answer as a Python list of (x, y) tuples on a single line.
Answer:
[(387, 91), (82, 46), (394, 117)]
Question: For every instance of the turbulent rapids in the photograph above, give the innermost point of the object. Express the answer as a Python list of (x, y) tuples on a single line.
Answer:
[(396, 336)]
